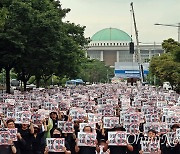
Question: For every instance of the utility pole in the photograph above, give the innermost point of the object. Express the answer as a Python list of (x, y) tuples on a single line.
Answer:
[(169, 25)]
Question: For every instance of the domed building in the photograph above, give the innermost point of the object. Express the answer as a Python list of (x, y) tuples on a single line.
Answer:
[(111, 45)]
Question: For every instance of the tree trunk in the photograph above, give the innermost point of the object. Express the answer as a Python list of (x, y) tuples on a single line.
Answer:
[(25, 78), (7, 80), (37, 81), (45, 83), (25, 83)]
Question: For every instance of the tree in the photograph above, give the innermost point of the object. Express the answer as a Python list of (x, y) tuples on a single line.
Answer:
[(169, 45), (95, 71), (167, 66), (36, 42)]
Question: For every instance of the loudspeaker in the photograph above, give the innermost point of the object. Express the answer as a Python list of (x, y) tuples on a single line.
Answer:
[(131, 48)]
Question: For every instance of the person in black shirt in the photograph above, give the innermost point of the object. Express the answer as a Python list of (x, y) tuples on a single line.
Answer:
[(151, 138), (20, 141), (120, 149), (27, 134), (38, 140), (168, 147), (86, 149), (70, 138), (57, 133)]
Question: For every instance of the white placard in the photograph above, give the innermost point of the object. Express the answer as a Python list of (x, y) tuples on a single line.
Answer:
[(66, 126), (82, 125), (150, 146), (36, 118), (4, 137), (26, 117), (110, 122), (55, 144), (86, 139), (117, 138), (13, 133), (148, 126), (178, 134)]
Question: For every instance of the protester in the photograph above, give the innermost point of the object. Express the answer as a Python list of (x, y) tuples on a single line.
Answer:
[(20, 141), (57, 133), (38, 140), (152, 138), (27, 132), (96, 119), (87, 149), (103, 147)]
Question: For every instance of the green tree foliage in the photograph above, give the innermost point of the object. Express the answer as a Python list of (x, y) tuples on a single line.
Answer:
[(36, 42), (167, 66), (95, 71)]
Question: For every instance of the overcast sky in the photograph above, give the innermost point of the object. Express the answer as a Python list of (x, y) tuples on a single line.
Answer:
[(99, 14)]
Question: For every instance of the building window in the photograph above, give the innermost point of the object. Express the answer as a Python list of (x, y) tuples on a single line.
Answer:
[(101, 44), (107, 44), (98, 44), (114, 44), (104, 44), (110, 44), (117, 44), (120, 44), (123, 44)]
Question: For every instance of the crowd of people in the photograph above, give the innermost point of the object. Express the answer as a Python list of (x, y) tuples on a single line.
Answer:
[(94, 119)]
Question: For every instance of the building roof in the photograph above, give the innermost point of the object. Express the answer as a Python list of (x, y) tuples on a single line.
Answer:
[(111, 34)]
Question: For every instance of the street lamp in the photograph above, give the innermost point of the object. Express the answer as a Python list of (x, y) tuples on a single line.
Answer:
[(178, 26)]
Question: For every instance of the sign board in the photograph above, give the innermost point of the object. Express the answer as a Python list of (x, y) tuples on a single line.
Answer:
[(55, 144), (36, 118), (117, 138), (13, 133), (86, 139), (4, 137), (66, 126), (150, 146), (110, 122)]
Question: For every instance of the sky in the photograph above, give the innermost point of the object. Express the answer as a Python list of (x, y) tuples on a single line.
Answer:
[(100, 14)]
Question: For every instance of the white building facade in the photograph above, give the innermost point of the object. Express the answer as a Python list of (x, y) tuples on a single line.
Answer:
[(111, 45)]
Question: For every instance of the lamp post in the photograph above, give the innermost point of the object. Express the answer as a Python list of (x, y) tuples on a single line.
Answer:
[(178, 26)]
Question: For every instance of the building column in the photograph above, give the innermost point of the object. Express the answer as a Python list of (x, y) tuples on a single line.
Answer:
[(149, 53), (101, 56), (117, 56)]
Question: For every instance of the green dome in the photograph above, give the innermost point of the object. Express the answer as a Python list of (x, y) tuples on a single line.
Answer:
[(111, 34)]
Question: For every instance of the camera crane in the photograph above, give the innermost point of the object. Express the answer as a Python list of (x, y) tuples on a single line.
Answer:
[(137, 53)]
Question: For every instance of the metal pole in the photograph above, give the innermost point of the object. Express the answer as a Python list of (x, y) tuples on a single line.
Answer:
[(169, 25), (138, 52), (179, 32), (138, 56)]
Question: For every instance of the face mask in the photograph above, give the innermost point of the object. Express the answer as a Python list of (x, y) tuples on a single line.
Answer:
[(56, 136), (36, 131)]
